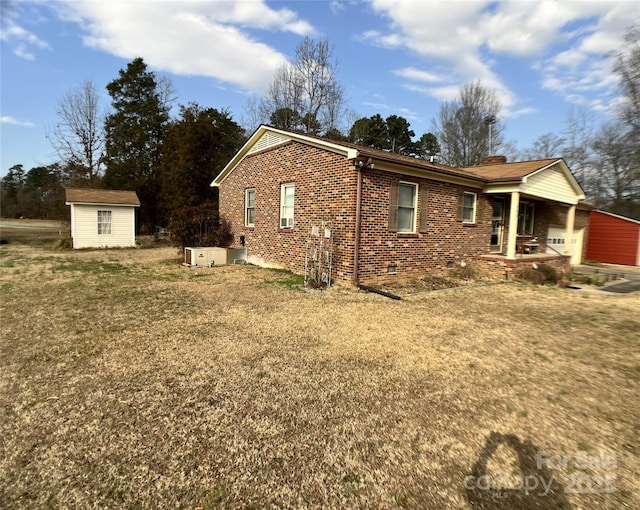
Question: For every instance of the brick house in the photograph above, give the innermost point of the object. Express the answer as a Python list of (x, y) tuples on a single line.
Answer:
[(395, 217)]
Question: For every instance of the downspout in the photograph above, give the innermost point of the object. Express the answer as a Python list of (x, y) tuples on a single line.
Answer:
[(356, 243)]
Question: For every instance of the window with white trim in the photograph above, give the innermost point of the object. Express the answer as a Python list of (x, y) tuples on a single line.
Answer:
[(250, 207), (467, 207), (525, 218), (407, 203), (104, 223), (287, 196)]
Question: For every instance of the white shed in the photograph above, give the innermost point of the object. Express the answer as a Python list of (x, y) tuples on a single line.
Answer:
[(102, 218)]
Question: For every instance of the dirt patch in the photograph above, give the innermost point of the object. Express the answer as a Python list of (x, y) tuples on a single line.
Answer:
[(129, 380)]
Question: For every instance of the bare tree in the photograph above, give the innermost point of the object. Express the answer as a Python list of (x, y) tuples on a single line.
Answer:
[(548, 145), (616, 183), (627, 66), (282, 103), (305, 94), (78, 137), (578, 151), (463, 126)]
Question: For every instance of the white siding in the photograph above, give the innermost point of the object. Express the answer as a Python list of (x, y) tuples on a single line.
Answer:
[(551, 184), (85, 226)]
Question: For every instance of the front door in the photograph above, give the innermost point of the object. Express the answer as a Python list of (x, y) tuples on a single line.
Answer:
[(497, 225)]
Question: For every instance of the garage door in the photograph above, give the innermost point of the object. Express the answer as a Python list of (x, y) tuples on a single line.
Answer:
[(556, 243)]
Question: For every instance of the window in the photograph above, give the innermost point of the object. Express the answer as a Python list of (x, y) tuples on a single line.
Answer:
[(467, 207), (250, 207), (287, 193), (407, 194), (104, 222), (525, 219)]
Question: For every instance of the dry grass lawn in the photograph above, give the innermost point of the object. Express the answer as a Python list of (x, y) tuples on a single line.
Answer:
[(130, 381)]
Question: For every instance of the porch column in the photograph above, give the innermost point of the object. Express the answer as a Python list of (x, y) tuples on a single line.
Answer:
[(513, 225), (568, 235)]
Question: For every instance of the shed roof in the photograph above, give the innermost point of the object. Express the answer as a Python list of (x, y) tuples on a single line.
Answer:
[(101, 196)]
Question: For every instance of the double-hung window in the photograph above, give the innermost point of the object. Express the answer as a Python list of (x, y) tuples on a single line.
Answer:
[(104, 223), (407, 202), (250, 207), (525, 219), (467, 207), (287, 195)]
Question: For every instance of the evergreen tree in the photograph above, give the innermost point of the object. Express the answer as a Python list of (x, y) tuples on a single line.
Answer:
[(197, 147), (392, 134), (399, 133), (428, 146), (134, 135), (44, 193), (13, 192)]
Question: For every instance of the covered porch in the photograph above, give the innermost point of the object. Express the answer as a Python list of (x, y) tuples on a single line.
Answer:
[(524, 226), (534, 213)]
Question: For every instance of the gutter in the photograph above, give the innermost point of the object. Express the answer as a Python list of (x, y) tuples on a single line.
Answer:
[(356, 241)]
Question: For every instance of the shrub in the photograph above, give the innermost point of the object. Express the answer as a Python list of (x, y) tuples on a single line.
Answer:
[(199, 226), (528, 274), (549, 273), (542, 273)]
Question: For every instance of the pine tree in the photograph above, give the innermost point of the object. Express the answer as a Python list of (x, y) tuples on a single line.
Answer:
[(197, 147), (134, 135)]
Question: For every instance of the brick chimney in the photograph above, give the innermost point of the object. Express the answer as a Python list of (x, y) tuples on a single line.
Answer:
[(494, 160)]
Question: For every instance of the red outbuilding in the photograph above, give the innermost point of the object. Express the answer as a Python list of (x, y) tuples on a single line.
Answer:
[(613, 239)]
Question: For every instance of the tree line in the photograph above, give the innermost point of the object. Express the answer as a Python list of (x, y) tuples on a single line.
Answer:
[(170, 162)]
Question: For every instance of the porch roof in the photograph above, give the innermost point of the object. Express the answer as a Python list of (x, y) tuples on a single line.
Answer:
[(547, 179), (508, 172)]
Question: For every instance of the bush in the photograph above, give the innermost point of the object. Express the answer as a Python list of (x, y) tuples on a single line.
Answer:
[(539, 275), (528, 274), (199, 226)]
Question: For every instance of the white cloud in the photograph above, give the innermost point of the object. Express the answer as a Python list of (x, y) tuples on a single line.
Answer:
[(583, 74), (414, 74), (7, 119), (336, 7), (22, 41), (568, 41), (190, 37)]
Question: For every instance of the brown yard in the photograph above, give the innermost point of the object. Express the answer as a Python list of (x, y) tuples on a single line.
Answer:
[(130, 381)]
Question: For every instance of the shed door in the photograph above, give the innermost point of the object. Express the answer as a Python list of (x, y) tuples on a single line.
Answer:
[(556, 243)]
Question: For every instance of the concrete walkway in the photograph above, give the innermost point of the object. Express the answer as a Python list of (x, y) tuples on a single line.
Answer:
[(626, 272), (629, 277), (623, 287)]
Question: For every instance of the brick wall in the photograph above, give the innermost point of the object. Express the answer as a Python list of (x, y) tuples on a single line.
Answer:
[(501, 267), (445, 242), (325, 189)]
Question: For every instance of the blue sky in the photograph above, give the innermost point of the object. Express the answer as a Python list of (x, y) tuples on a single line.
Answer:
[(394, 57)]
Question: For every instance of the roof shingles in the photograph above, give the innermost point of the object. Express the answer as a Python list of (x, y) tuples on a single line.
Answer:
[(101, 196)]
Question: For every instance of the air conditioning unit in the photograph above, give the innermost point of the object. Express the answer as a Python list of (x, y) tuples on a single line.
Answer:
[(213, 256), (286, 222)]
